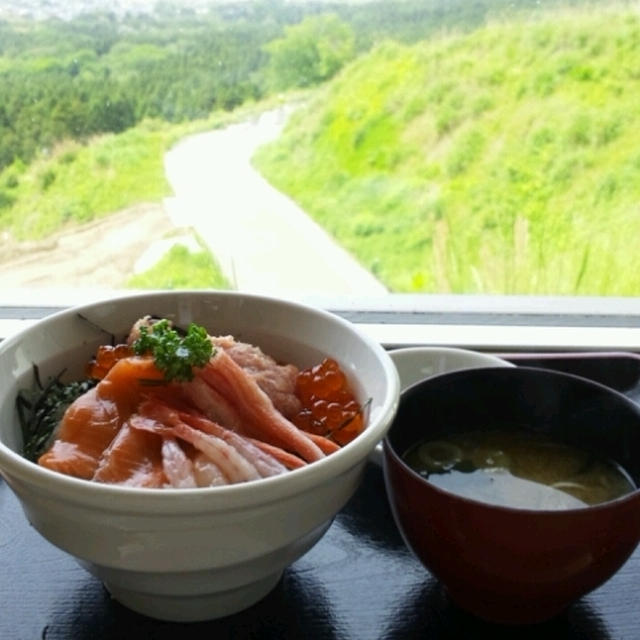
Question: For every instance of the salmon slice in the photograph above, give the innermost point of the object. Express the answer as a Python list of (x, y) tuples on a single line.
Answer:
[(136, 429), (134, 458), (92, 421), (260, 418), (129, 379), (88, 426)]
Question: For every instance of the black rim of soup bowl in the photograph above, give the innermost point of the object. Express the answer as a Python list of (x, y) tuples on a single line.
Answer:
[(569, 408)]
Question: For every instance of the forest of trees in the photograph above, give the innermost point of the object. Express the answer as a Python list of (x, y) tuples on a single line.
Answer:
[(102, 73)]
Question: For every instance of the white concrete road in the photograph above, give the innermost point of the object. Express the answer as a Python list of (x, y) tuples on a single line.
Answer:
[(262, 240)]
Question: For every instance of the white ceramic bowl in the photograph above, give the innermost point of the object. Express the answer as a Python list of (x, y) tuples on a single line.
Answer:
[(192, 554), (416, 363)]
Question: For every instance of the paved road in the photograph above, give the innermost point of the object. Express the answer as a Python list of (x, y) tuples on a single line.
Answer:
[(263, 241)]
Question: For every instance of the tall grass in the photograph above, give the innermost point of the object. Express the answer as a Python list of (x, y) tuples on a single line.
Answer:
[(75, 183), (506, 160)]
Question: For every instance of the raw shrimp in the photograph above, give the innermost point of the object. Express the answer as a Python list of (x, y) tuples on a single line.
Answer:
[(231, 463), (178, 468), (265, 463), (260, 418)]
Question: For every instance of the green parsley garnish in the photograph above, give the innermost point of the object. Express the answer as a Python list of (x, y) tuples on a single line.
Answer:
[(174, 354)]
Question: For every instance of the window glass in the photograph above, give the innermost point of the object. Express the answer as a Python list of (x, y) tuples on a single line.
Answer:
[(338, 148)]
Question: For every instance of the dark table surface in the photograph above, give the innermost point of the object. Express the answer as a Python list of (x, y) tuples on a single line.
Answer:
[(359, 581)]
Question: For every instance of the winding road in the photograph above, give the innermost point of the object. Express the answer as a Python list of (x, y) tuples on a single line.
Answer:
[(262, 240)]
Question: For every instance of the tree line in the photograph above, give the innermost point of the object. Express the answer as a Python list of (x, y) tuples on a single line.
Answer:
[(100, 72)]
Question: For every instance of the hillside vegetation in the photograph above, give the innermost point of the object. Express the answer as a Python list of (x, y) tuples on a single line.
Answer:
[(503, 160), (99, 72), (79, 182), (56, 189)]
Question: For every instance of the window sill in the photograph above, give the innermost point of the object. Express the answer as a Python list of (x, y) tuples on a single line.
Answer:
[(489, 323)]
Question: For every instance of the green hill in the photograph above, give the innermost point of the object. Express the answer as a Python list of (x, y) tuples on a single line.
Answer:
[(505, 160)]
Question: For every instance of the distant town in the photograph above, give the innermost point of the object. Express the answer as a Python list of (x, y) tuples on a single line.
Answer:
[(67, 9)]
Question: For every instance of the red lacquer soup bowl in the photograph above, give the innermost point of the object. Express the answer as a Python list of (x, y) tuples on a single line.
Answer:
[(506, 564)]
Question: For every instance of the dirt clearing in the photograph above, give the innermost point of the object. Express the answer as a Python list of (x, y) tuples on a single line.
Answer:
[(100, 254)]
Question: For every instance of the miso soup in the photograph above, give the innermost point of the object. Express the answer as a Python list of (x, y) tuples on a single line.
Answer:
[(518, 469)]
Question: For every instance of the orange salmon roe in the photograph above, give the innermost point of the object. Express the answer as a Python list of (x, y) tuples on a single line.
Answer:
[(105, 358), (329, 407)]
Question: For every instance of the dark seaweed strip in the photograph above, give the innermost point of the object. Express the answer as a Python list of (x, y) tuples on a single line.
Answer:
[(41, 409)]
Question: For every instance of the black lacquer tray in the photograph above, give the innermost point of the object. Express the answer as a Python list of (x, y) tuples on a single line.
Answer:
[(358, 582)]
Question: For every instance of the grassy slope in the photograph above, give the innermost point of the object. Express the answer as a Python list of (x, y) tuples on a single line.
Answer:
[(180, 268), (501, 161), (76, 183)]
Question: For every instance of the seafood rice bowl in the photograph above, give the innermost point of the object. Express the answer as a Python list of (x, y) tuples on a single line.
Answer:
[(186, 447)]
